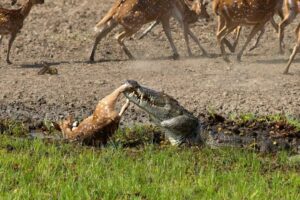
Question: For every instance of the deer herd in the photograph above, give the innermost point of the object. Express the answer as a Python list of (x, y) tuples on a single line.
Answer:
[(133, 14)]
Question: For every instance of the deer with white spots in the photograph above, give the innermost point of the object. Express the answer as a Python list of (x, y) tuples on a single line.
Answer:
[(97, 128), (237, 13), (191, 16), (133, 14), (291, 9), (232, 47), (11, 21)]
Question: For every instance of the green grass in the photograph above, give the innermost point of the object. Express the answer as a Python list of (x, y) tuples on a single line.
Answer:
[(246, 117), (33, 169)]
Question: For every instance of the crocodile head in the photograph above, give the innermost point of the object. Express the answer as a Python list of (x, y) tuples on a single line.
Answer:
[(179, 124)]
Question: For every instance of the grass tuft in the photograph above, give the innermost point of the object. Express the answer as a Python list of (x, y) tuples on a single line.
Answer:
[(13, 128)]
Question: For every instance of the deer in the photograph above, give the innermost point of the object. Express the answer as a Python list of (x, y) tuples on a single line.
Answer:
[(278, 11), (190, 16), (12, 20), (237, 13), (133, 14), (97, 128), (291, 9)]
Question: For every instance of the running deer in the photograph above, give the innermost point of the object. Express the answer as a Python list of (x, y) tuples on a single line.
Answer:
[(190, 16), (11, 21), (278, 11), (291, 9), (133, 14), (235, 13)]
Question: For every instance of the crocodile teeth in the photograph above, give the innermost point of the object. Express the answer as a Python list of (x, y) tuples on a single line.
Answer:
[(131, 94), (152, 99)]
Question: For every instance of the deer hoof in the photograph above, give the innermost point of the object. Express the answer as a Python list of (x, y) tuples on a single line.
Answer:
[(286, 72)]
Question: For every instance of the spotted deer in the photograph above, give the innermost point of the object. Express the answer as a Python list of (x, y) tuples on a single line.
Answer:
[(11, 21), (291, 9), (190, 16), (98, 127), (238, 13), (278, 11), (133, 14)]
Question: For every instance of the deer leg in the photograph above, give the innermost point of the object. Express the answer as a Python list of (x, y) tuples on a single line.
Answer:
[(11, 41), (148, 29), (221, 36), (221, 25), (274, 24), (233, 46), (237, 37), (121, 37), (296, 49), (167, 30), (180, 18), (224, 30), (254, 31), (108, 27), (186, 38), (1, 39), (258, 39), (286, 21), (124, 108), (204, 53)]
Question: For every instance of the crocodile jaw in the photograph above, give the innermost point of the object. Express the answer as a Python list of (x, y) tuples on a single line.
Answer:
[(179, 125)]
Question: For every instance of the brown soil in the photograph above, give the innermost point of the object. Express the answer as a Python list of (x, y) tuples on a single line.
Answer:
[(61, 33)]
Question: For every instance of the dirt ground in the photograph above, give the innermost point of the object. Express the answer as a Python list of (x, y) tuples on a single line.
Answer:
[(61, 33)]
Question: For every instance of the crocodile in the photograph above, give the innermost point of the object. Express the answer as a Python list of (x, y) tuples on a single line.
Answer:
[(182, 127)]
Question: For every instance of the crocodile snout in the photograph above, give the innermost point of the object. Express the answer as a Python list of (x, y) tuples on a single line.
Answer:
[(132, 83)]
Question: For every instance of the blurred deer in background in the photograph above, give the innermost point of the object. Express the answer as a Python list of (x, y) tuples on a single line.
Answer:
[(11, 21), (236, 13), (191, 16), (133, 14), (278, 11), (291, 8)]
